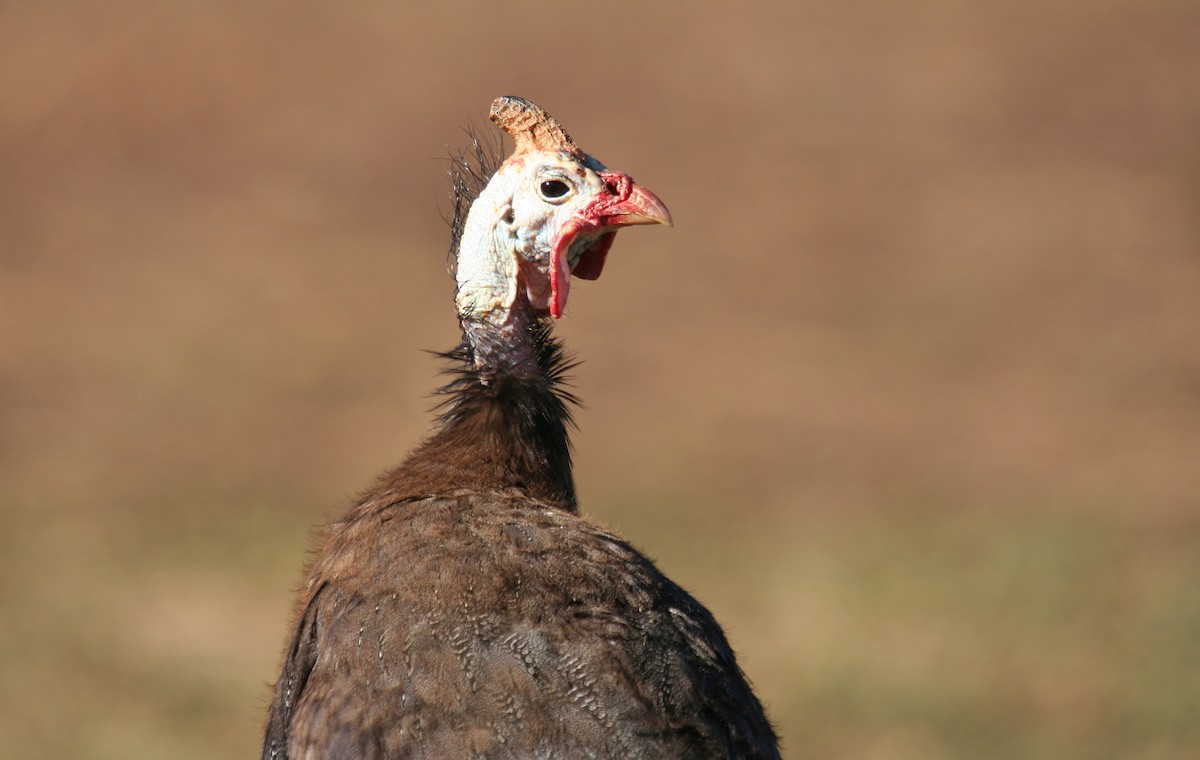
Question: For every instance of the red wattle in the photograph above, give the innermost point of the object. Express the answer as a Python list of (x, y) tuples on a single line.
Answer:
[(591, 263), (558, 292)]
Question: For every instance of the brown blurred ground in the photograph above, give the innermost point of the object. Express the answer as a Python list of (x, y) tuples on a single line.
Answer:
[(910, 396)]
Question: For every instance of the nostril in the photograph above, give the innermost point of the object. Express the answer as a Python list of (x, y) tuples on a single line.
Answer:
[(616, 184)]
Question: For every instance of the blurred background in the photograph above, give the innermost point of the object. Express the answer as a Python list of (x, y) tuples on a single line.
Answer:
[(910, 396)]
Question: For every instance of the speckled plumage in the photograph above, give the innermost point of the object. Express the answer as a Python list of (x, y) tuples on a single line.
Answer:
[(463, 609)]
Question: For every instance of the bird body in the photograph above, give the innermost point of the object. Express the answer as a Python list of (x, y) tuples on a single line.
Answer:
[(462, 607)]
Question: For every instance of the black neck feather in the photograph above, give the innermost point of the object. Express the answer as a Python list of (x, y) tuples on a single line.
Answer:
[(510, 430)]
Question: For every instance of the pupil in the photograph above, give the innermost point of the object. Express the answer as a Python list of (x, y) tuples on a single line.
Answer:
[(552, 188)]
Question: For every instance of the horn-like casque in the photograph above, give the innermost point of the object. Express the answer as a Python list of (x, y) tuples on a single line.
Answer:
[(531, 127)]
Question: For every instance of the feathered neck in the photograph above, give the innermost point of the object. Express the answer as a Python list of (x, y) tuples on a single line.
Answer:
[(509, 430)]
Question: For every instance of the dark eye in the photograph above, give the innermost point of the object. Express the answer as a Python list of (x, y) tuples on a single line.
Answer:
[(553, 188)]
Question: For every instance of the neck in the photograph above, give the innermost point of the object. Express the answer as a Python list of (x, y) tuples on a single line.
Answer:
[(501, 342), (504, 423), (492, 305)]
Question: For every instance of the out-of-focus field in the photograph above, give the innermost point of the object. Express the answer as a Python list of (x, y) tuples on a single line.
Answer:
[(910, 396)]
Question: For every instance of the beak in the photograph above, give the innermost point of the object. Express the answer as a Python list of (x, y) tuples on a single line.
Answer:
[(640, 207)]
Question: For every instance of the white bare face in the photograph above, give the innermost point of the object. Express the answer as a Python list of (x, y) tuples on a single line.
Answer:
[(544, 215), (513, 227)]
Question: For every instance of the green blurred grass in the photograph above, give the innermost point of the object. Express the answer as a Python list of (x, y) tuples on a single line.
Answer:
[(996, 631), (990, 631)]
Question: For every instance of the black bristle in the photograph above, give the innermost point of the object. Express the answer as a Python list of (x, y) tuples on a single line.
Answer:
[(470, 169)]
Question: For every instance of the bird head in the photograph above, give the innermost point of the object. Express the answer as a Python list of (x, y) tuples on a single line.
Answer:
[(548, 212)]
